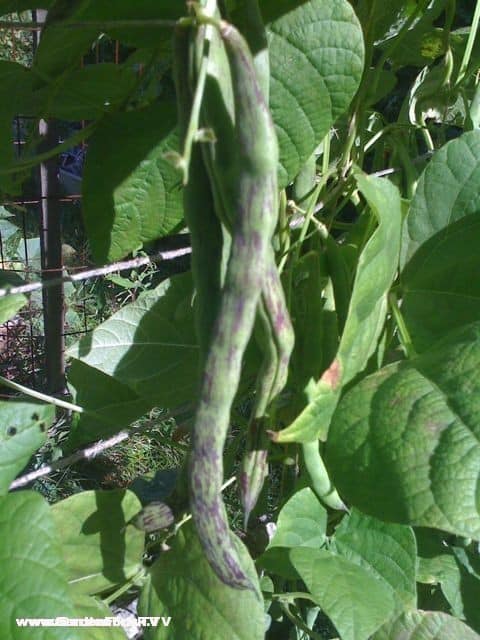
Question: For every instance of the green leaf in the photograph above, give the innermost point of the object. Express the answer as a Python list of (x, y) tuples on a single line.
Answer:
[(87, 607), (61, 48), (448, 189), (33, 583), (99, 550), (149, 345), (425, 625), (423, 43), (339, 587), (139, 10), (10, 305), (14, 6), (387, 550), (116, 404), (23, 430), (15, 97), (302, 522), (404, 442), (316, 63), (461, 587), (134, 195), (376, 270), (386, 17), (182, 585), (86, 94), (436, 562), (439, 292), (314, 320)]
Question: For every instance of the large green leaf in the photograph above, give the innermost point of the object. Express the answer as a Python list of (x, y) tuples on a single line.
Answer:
[(302, 522), (61, 47), (404, 443), (33, 583), (448, 189), (99, 550), (23, 430), (425, 625), (339, 587), (316, 63), (134, 195), (149, 345), (440, 292), (115, 404), (183, 585), (376, 270), (387, 550), (87, 607), (87, 93)]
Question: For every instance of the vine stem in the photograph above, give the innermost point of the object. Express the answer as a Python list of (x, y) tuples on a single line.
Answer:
[(470, 42), (298, 622), (125, 587), (135, 263), (74, 139), (102, 25), (43, 397), (405, 338)]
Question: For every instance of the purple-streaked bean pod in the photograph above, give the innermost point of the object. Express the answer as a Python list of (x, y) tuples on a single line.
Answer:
[(273, 327), (254, 205)]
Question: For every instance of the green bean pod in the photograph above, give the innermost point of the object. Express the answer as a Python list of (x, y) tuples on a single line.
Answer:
[(199, 209), (254, 467), (275, 338), (273, 323), (319, 479), (254, 208)]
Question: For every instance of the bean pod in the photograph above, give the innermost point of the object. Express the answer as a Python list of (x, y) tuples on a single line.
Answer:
[(254, 207)]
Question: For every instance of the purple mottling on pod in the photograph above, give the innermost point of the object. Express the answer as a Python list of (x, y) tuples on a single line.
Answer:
[(252, 213)]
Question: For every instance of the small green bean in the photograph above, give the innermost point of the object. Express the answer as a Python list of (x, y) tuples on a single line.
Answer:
[(319, 476)]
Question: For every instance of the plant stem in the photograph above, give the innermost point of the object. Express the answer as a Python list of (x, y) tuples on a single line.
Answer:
[(125, 587), (298, 622), (192, 129), (470, 42), (95, 273), (292, 595), (62, 404), (33, 161)]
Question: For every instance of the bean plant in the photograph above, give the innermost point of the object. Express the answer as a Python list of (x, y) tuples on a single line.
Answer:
[(320, 358)]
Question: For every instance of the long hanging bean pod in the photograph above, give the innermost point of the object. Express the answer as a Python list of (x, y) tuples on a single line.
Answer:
[(205, 228), (273, 325), (276, 334), (254, 208)]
